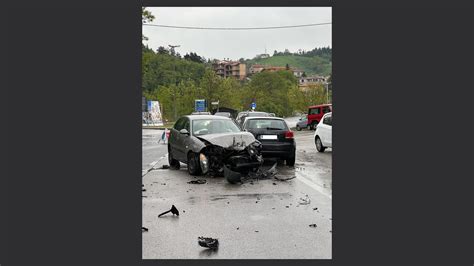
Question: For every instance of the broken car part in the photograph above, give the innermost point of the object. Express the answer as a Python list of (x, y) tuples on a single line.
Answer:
[(208, 242), (144, 229), (173, 210), (199, 181), (312, 225)]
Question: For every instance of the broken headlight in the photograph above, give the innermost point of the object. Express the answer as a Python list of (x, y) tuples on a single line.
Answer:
[(204, 163)]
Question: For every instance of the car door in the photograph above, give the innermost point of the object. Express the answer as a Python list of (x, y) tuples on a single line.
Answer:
[(180, 147), (175, 138), (326, 133)]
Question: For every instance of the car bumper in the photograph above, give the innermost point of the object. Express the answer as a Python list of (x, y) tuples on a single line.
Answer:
[(282, 150)]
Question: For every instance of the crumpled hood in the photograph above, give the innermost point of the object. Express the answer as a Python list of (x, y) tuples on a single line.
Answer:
[(238, 140)]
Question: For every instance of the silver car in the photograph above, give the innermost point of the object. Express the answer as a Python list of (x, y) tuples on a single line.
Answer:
[(213, 144)]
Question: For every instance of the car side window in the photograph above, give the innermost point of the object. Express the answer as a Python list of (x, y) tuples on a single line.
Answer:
[(315, 111), (327, 120), (186, 125), (179, 124)]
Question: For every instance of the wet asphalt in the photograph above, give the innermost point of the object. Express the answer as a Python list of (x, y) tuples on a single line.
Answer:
[(264, 219)]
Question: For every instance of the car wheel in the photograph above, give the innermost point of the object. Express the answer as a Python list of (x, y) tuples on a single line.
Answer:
[(313, 125), (319, 145), (174, 164), (194, 168), (291, 161), (298, 128)]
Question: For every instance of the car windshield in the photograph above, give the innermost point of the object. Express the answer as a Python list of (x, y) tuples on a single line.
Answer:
[(269, 124), (213, 126)]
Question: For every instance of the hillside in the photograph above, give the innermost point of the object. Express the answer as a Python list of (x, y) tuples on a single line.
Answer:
[(314, 65)]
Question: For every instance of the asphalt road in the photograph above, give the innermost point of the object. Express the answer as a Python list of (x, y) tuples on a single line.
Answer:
[(258, 220)]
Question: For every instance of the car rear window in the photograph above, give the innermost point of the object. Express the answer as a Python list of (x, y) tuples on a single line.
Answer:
[(258, 114), (213, 126), (272, 124)]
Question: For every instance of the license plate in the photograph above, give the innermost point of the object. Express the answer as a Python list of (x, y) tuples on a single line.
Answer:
[(268, 137)]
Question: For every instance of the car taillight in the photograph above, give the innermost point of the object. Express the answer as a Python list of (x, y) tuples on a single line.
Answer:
[(289, 134)]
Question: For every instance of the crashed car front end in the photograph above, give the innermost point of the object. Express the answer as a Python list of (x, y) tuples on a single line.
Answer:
[(233, 156)]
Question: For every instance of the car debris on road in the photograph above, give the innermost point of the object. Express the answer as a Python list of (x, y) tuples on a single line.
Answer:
[(144, 229), (312, 225), (208, 242), (173, 210), (198, 181)]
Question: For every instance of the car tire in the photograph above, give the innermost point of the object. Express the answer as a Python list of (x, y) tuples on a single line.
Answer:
[(174, 164), (291, 161), (194, 168), (298, 128), (313, 125), (319, 144)]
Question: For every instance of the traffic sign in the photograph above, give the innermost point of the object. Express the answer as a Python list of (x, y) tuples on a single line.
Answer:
[(254, 105), (200, 105)]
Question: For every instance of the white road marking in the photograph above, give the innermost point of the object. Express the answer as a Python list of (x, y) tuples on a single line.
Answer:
[(314, 186), (153, 163)]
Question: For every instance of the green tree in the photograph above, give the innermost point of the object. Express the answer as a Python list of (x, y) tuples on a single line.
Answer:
[(147, 16)]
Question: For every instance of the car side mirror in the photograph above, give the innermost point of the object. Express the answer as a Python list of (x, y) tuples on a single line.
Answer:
[(184, 131)]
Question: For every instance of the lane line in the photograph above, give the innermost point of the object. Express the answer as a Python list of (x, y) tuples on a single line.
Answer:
[(314, 186)]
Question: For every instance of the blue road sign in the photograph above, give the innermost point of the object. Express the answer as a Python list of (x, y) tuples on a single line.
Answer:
[(253, 105), (200, 105)]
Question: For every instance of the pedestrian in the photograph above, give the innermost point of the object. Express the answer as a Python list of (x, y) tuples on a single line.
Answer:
[(164, 136)]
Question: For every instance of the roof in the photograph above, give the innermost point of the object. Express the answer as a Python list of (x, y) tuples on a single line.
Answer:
[(264, 117), (319, 105), (209, 117)]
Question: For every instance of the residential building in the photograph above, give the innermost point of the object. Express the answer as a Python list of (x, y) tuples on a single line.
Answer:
[(226, 68)]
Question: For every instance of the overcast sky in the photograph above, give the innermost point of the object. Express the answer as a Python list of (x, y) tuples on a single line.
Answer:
[(215, 44)]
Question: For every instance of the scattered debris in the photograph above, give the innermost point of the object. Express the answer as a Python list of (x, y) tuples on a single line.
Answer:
[(287, 206), (163, 184), (330, 231), (256, 201), (208, 242), (273, 208), (144, 229), (228, 202), (284, 179), (274, 183), (256, 231), (315, 209), (165, 166), (143, 189), (237, 228), (304, 201), (312, 225), (198, 181), (173, 210), (144, 196), (184, 211)]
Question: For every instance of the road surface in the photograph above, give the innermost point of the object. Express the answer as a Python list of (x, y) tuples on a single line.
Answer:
[(259, 220)]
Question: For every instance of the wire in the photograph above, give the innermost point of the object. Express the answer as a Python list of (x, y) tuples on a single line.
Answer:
[(251, 28)]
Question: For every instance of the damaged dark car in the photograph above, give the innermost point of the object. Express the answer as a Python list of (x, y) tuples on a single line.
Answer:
[(213, 145)]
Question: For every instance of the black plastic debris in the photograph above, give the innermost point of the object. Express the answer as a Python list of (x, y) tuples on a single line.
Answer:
[(165, 166), (144, 229), (315, 209), (312, 225), (274, 183), (284, 179), (143, 189), (198, 181), (287, 206), (208, 242), (173, 210), (232, 176), (237, 228), (256, 231)]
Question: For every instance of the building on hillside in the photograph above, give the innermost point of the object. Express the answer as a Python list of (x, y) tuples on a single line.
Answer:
[(256, 69), (305, 82), (226, 68), (296, 72)]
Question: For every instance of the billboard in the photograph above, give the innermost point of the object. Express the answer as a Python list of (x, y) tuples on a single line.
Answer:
[(153, 116)]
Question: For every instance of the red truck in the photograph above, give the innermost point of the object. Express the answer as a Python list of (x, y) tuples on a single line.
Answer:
[(316, 112)]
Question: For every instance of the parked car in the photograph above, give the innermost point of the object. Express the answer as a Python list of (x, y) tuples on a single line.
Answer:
[(323, 133), (276, 137), (302, 123), (242, 115), (213, 144), (224, 114), (316, 112)]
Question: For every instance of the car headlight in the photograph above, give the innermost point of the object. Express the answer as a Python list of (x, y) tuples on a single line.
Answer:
[(204, 163)]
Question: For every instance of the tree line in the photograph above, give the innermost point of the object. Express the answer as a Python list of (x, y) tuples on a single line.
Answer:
[(177, 81)]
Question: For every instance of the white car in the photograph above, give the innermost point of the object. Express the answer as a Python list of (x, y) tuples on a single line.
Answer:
[(323, 133)]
